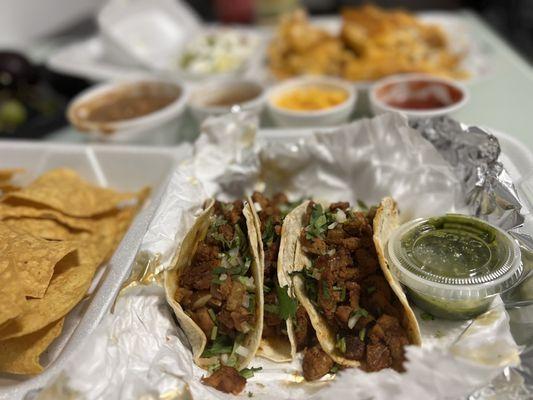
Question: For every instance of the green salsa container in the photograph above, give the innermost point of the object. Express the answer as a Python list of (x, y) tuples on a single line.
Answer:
[(454, 265)]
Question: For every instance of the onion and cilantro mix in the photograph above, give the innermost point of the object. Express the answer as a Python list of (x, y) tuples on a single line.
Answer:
[(346, 285), (217, 290), (279, 306), (217, 52)]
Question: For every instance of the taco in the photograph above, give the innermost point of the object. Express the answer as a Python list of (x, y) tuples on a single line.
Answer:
[(359, 312), (215, 288), (280, 305)]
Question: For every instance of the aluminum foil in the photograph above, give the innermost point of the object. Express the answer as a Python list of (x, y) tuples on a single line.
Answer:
[(489, 191), (138, 352)]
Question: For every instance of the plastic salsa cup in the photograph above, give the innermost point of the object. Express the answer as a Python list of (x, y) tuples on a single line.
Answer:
[(454, 265)]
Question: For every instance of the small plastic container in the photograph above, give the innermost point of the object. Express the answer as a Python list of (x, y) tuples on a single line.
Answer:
[(417, 95), (454, 265), (329, 116), (158, 127)]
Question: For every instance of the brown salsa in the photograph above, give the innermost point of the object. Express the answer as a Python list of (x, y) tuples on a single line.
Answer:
[(130, 102)]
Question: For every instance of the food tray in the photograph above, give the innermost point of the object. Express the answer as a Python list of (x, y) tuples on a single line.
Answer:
[(122, 168)]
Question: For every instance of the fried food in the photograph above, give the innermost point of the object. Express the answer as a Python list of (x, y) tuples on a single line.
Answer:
[(372, 43), (54, 233)]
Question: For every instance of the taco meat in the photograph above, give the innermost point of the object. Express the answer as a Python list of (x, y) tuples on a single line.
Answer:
[(316, 363), (346, 284), (226, 379), (217, 290)]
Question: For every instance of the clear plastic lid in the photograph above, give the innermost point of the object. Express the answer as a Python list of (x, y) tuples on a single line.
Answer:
[(454, 256)]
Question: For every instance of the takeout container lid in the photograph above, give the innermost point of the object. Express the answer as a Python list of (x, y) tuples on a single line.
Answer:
[(146, 32), (408, 265)]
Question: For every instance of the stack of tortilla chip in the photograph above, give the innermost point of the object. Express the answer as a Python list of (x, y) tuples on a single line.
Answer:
[(54, 234)]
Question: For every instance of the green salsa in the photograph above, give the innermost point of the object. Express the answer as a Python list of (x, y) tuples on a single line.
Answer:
[(454, 265), (451, 248)]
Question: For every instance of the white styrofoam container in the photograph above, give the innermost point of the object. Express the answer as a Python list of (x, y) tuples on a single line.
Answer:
[(119, 167)]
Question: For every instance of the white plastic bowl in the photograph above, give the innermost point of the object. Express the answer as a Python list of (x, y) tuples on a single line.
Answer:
[(157, 128), (399, 88), (331, 116), (204, 95)]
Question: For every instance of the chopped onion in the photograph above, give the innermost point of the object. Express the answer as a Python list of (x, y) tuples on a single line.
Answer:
[(224, 358), (246, 301), (331, 252), (340, 216), (242, 351), (233, 252), (258, 207), (332, 225), (223, 277), (201, 301), (353, 320), (246, 327)]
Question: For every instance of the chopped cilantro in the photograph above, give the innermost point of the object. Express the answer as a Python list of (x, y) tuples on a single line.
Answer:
[(427, 316), (232, 360), (325, 290), (341, 345), (362, 205), (334, 369), (221, 345), (269, 233), (266, 289), (248, 373), (317, 223), (287, 305), (362, 334)]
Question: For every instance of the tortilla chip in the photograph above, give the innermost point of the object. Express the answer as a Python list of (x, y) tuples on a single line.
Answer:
[(8, 187), (7, 174), (34, 258), (44, 228), (21, 355), (8, 211), (64, 190), (72, 278), (12, 299)]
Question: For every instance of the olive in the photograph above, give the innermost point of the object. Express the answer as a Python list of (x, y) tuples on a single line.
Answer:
[(15, 69)]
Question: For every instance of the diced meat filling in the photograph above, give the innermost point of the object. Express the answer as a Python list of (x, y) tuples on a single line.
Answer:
[(347, 285), (227, 380), (316, 363), (216, 290)]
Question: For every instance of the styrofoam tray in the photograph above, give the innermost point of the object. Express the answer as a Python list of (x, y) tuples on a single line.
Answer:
[(122, 168)]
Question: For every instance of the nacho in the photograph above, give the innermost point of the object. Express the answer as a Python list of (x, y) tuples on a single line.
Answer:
[(12, 299), (47, 229), (9, 211), (64, 190), (21, 355), (71, 280)]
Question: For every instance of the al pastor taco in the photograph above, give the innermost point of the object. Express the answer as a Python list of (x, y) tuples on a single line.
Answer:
[(360, 315), (215, 287)]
